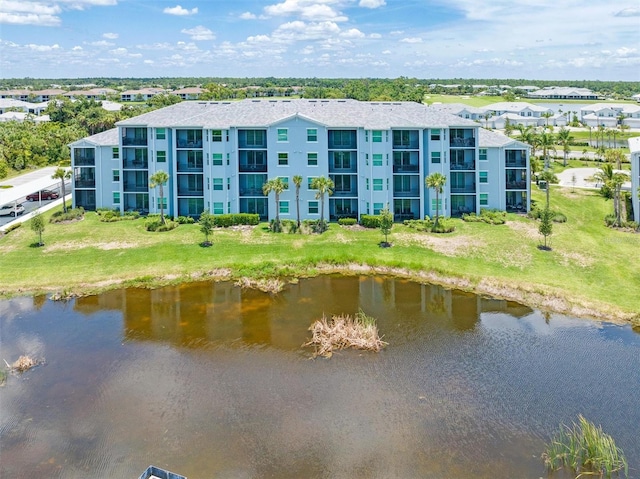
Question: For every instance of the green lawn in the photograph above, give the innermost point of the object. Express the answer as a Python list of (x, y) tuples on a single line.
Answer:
[(465, 99), (592, 270)]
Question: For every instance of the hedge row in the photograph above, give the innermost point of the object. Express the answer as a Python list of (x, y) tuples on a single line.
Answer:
[(235, 219)]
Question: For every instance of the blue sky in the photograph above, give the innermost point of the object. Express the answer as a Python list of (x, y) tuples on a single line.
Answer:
[(532, 39)]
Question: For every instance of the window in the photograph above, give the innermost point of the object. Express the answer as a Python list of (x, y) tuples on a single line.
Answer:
[(484, 199), (377, 184), (312, 159), (312, 135), (162, 203), (313, 207), (435, 134), (160, 134), (435, 157), (161, 156), (218, 208), (342, 160), (217, 159), (482, 153), (309, 181), (283, 134), (115, 153), (116, 197), (285, 180), (367, 183), (283, 159), (376, 136), (216, 135), (377, 159), (217, 184), (484, 177), (255, 138), (284, 208), (194, 160), (116, 175), (436, 206), (377, 207)]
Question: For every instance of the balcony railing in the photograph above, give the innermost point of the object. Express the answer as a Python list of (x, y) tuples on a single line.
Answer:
[(134, 188), (251, 192), (189, 192), (414, 192), (351, 169), (517, 185), (345, 193), (469, 142), (463, 166), (406, 168), (186, 167), (522, 163), (84, 161), (132, 141), (256, 168), (85, 183), (463, 189), (189, 144), (135, 165)]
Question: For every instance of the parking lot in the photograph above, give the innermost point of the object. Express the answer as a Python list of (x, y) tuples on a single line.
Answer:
[(17, 189)]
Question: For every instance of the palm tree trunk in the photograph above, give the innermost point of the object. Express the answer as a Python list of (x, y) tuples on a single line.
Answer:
[(64, 201), (161, 204), (298, 205), (277, 225)]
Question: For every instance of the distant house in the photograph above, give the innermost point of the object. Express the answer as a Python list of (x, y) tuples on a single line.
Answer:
[(92, 94), (563, 93), (21, 116), (24, 106), (189, 93), (520, 113), (461, 110), (611, 115), (143, 94), (636, 97)]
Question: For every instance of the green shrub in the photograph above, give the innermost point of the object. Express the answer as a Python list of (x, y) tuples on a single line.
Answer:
[(493, 217), (12, 227), (559, 218), (347, 221), (289, 226), (155, 224), (609, 220), (185, 220), (370, 221), (419, 225), (445, 225), (234, 219), (72, 214)]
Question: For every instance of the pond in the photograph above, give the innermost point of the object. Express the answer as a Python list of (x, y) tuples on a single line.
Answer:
[(210, 380)]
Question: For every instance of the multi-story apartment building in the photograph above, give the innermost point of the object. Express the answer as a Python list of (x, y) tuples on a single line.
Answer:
[(219, 154), (634, 147)]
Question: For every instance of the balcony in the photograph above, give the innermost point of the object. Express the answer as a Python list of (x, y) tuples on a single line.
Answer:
[(342, 193), (468, 142), (461, 166), (407, 168), (189, 144), (410, 193), (516, 185), (189, 192), (190, 167), (135, 164), (84, 160), (251, 192), (252, 168), (132, 187), (468, 188), (84, 183), (134, 141), (516, 159)]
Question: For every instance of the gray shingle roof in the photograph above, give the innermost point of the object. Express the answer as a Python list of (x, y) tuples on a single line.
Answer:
[(332, 113), (106, 138), (489, 139)]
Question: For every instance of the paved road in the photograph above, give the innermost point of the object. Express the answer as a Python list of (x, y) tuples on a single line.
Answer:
[(583, 178)]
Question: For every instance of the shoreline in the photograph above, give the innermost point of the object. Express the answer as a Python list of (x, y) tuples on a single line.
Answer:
[(552, 300)]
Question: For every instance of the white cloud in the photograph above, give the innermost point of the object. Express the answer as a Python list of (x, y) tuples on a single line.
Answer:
[(258, 39), (352, 33), (629, 12), (372, 3), (179, 11), (412, 40), (248, 16), (76, 49), (199, 33), (149, 62), (43, 48), (375, 35), (110, 36), (119, 51), (43, 13), (315, 11), (101, 43)]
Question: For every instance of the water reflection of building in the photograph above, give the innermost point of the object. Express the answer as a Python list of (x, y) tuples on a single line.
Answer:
[(197, 314)]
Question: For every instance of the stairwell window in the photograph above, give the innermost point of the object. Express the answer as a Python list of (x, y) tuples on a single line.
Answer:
[(312, 159), (284, 208), (218, 208), (216, 135), (484, 177), (435, 157), (312, 135), (217, 159), (313, 207), (484, 199), (435, 134), (283, 159), (482, 154), (377, 159), (217, 184), (161, 156), (283, 135), (161, 134), (376, 136), (377, 184)]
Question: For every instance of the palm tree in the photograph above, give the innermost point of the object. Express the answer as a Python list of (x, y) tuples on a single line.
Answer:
[(616, 185), (486, 117), (325, 187), (527, 135), (437, 182), (546, 115), (297, 180), (62, 175), (277, 186), (546, 142), (564, 138), (605, 175), (548, 177), (159, 179)]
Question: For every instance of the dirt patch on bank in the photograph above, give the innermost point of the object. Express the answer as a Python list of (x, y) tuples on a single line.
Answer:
[(528, 230), (445, 244)]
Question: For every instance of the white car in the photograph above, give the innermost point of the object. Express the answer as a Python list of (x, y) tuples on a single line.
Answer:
[(13, 209)]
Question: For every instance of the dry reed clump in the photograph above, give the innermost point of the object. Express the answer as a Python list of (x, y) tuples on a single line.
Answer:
[(267, 285), (344, 331), (23, 364)]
